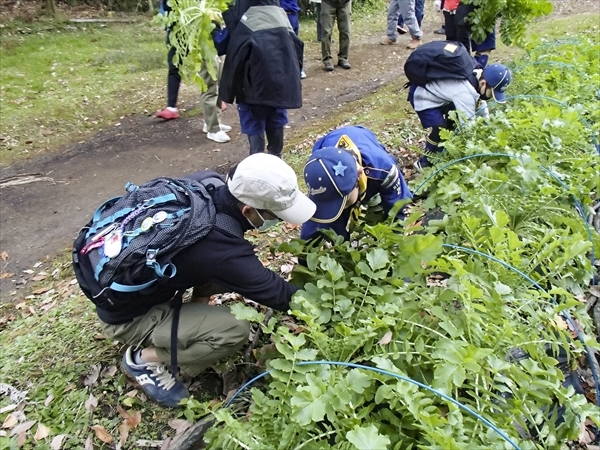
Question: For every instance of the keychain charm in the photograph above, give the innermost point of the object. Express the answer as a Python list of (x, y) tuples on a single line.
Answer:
[(113, 243), (159, 217), (147, 224)]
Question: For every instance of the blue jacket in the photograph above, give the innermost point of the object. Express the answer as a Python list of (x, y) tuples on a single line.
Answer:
[(289, 5), (380, 168)]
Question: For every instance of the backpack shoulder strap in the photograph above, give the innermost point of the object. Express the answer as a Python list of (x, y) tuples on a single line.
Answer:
[(227, 223)]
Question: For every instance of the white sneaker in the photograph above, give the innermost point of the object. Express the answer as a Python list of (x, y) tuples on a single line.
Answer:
[(219, 136), (302, 74), (225, 128)]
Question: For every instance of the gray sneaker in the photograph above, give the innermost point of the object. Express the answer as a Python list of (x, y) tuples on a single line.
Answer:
[(344, 64), (328, 66)]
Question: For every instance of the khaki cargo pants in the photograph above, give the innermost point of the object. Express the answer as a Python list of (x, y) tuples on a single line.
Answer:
[(205, 334), (329, 14)]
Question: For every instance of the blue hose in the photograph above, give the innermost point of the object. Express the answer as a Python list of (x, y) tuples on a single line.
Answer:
[(564, 313), (395, 375), (551, 63), (543, 97), (572, 41), (578, 205)]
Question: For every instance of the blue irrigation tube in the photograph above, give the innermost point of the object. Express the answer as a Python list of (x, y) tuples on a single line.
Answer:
[(551, 63), (395, 375), (564, 313), (578, 205), (572, 41), (542, 97)]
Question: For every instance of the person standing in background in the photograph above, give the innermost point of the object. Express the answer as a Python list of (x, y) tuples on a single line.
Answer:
[(318, 14), (211, 104), (407, 9), (292, 10), (419, 13), (332, 10), (262, 71)]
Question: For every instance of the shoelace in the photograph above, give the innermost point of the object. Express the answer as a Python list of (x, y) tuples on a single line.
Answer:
[(164, 377)]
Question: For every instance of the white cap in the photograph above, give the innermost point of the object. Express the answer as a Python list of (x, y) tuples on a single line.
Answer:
[(264, 181)]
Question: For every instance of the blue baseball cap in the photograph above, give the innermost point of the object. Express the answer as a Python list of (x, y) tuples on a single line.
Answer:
[(330, 174), (497, 78)]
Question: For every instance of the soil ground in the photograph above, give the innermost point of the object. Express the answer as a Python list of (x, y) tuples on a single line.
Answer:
[(37, 220)]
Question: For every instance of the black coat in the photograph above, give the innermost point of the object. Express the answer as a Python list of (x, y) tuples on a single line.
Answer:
[(264, 58)]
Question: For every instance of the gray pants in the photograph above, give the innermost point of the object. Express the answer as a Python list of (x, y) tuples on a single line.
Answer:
[(329, 14), (407, 9), (211, 104)]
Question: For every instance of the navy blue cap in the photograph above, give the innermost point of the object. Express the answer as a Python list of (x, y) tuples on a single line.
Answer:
[(497, 78), (330, 174)]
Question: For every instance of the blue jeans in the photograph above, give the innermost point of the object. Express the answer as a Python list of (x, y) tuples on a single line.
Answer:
[(407, 9), (419, 13)]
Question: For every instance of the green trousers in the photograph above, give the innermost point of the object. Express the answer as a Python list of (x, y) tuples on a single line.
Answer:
[(329, 14), (205, 334), (211, 103)]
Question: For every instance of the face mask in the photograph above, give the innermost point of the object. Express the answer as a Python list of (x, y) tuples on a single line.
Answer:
[(484, 96), (266, 223)]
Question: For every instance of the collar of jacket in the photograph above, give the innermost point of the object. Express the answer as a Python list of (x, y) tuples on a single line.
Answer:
[(228, 204)]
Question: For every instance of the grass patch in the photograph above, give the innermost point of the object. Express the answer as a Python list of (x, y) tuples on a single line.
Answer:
[(62, 83)]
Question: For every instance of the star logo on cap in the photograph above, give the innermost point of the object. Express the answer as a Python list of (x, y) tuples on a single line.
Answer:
[(339, 169)]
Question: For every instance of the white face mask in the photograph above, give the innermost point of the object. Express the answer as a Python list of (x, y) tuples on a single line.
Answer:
[(266, 223)]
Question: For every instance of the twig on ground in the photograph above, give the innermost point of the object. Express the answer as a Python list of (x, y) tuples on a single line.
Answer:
[(25, 179), (102, 20), (248, 351)]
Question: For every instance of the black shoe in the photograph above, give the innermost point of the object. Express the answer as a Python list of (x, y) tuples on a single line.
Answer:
[(440, 31), (344, 64), (328, 66)]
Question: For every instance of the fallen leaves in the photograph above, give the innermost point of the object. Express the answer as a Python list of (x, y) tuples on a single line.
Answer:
[(179, 425), (4, 256), (91, 378), (91, 403), (102, 434), (57, 441), (42, 432), (131, 419), (22, 427), (10, 421)]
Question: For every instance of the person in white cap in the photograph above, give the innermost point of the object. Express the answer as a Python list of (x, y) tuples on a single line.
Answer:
[(259, 192)]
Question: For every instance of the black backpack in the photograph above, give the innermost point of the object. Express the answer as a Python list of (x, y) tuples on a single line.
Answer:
[(437, 60), (130, 242)]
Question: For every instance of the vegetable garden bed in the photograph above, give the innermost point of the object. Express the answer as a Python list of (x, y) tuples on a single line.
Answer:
[(469, 331)]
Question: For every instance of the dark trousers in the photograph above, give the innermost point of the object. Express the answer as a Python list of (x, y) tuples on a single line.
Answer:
[(258, 120), (319, 27), (456, 27), (274, 142), (173, 79)]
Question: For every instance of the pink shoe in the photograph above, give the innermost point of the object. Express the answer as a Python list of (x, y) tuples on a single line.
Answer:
[(167, 114)]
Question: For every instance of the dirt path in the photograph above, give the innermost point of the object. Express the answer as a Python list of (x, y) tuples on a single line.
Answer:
[(39, 219)]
